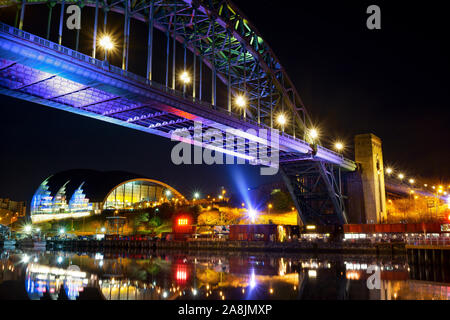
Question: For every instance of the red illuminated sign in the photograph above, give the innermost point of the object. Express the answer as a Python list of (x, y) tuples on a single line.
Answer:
[(182, 222)]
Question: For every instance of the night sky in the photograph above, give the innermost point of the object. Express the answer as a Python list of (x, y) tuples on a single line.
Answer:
[(392, 82)]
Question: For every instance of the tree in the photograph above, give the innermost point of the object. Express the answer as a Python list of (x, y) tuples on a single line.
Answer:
[(280, 200), (155, 222)]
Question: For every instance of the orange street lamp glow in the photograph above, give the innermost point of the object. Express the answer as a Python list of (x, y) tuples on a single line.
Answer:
[(339, 146), (389, 170), (313, 133), (185, 77), (106, 43), (401, 176), (281, 119), (241, 101)]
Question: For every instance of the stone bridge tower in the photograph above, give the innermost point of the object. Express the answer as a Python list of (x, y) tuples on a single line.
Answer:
[(369, 156)]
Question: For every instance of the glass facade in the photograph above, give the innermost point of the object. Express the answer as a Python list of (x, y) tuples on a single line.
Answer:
[(79, 202), (136, 193), (59, 201), (55, 201), (44, 203)]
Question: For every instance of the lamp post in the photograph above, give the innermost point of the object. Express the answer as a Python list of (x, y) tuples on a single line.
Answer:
[(339, 146), (241, 102), (106, 43), (186, 79), (313, 134), (282, 120)]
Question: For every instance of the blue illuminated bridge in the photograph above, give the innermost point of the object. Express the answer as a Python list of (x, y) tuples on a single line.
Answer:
[(214, 69)]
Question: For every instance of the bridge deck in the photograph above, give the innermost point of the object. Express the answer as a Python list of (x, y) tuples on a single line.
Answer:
[(37, 70)]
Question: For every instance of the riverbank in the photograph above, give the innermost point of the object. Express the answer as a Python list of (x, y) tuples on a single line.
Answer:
[(248, 246)]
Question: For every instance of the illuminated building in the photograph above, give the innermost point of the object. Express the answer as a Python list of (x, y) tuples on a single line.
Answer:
[(11, 210), (80, 193)]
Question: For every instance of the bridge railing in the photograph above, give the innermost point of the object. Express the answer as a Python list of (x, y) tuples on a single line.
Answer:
[(338, 155), (105, 65), (437, 241)]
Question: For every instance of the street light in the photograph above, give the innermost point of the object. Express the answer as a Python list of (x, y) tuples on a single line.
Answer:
[(196, 195), (313, 134), (106, 43), (241, 101), (401, 176), (339, 146), (186, 79), (412, 181), (282, 120), (389, 170), (28, 228)]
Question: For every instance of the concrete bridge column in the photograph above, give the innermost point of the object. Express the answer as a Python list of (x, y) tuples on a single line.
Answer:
[(369, 156)]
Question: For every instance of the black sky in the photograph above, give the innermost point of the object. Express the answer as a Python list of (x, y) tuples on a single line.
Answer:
[(391, 82)]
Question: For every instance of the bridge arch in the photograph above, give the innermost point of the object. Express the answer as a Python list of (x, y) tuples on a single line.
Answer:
[(220, 36)]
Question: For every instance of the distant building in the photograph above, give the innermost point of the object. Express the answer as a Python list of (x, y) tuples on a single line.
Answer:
[(10, 210), (80, 193)]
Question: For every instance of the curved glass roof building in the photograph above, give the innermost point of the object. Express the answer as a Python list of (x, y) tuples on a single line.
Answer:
[(79, 193)]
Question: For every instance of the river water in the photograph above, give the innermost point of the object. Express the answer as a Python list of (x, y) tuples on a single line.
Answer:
[(149, 275)]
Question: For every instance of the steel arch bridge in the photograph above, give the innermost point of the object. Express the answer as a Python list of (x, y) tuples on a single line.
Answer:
[(210, 33)]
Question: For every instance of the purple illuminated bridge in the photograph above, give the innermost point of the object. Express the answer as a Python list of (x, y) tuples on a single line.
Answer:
[(38, 70)]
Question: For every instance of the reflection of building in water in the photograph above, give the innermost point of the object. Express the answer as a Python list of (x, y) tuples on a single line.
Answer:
[(414, 290), (8, 269), (40, 279), (124, 289)]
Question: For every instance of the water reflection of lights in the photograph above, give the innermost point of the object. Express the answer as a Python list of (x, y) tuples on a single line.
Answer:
[(282, 267), (311, 264), (98, 256), (40, 278), (181, 274), (355, 266), (352, 275), (37, 268), (312, 273), (252, 280)]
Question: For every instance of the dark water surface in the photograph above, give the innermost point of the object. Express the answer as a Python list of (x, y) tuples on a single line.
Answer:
[(147, 275)]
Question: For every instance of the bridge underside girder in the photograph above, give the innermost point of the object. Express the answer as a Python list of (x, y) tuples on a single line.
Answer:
[(315, 188), (24, 82)]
